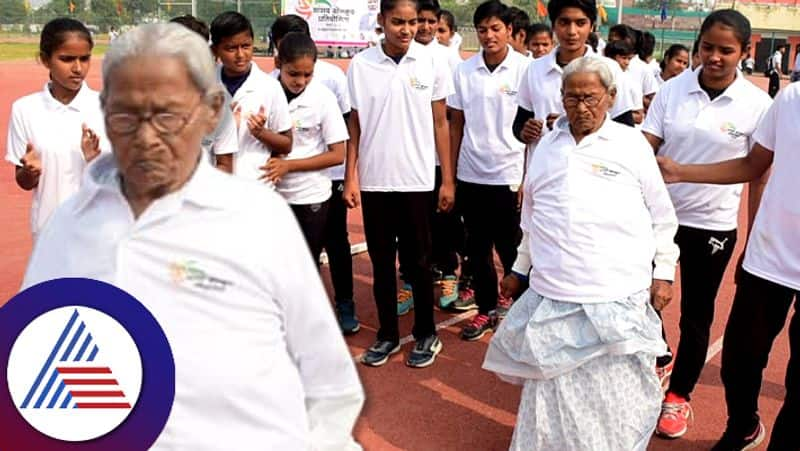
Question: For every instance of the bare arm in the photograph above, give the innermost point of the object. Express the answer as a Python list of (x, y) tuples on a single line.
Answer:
[(456, 134), (225, 163), (278, 143), (442, 138), (655, 141), (746, 169), (351, 194)]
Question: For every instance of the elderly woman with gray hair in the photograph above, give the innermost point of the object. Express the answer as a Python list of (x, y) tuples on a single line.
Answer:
[(219, 261), (599, 254)]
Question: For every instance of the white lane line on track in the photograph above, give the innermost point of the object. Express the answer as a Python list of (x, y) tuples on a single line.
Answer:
[(714, 349)]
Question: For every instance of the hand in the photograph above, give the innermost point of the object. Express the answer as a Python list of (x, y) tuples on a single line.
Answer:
[(520, 198), (274, 170), (447, 197), (351, 194), (237, 113), (551, 118), (90, 143), (255, 122), (670, 170), (660, 294), (31, 161), (531, 131), (511, 286)]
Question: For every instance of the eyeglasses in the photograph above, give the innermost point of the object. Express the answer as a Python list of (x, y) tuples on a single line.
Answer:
[(589, 101), (166, 123)]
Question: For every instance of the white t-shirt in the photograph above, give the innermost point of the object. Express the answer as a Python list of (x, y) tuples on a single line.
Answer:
[(696, 130), (453, 58), (317, 122), (55, 131), (259, 90), (489, 154), (397, 147), (773, 251), (332, 77), (597, 215), (642, 77), (224, 139), (259, 358), (455, 41), (777, 62)]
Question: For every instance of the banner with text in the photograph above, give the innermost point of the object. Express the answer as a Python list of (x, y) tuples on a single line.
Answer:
[(346, 23)]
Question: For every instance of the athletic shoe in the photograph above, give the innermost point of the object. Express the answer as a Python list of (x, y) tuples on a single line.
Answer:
[(449, 286), (675, 415), (737, 442), (424, 352), (379, 353), (465, 301), (405, 299), (503, 305), (478, 327), (346, 315), (663, 373)]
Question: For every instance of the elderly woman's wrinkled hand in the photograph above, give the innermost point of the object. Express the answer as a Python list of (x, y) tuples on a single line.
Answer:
[(660, 294), (670, 170)]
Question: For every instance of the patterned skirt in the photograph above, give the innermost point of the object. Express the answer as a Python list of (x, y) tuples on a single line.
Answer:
[(587, 370)]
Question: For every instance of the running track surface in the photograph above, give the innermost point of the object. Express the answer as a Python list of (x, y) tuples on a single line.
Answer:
[(452, 405)]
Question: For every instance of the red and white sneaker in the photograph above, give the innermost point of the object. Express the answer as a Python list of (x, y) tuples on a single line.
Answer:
[(675, 415)]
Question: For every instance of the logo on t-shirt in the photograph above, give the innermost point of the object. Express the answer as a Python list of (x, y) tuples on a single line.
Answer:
[(603, 170), (299, 127), (189, 271), (85, 366), (506, 89), (730, 130), (416, 84)]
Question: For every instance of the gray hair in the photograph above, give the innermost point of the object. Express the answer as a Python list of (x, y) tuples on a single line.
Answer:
[(591, 65), (166, 40)]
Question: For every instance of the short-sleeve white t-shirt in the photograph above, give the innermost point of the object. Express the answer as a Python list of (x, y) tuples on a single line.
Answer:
[(393, 102), (773, 251), (54, 129), (697, 130), (317, 123)]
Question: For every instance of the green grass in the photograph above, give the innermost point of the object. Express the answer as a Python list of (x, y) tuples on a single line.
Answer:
[(15, 51)]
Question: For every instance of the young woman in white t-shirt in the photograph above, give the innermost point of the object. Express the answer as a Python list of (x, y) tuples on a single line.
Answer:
[(705, 116), (676, 60), (319, 134), (768, 281), (399, 117), (55, 133)]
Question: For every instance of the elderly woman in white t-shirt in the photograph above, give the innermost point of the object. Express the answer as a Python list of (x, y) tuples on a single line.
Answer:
[(259, 360), (598, 248)]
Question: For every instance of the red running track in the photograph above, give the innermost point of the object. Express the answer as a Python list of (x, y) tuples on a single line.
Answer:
[(452, 405)]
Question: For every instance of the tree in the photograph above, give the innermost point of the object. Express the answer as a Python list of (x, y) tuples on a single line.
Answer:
[(13, 11)]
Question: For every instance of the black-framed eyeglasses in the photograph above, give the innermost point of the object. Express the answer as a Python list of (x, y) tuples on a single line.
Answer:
[(165, 123), (589, 101)]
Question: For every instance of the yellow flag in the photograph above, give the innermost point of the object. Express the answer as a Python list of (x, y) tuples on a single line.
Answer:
[(602, 14)]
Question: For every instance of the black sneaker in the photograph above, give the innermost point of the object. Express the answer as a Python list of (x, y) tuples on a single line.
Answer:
[(379, 353), (424, 352), (478, 327), (346, 315), (732, 441)]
